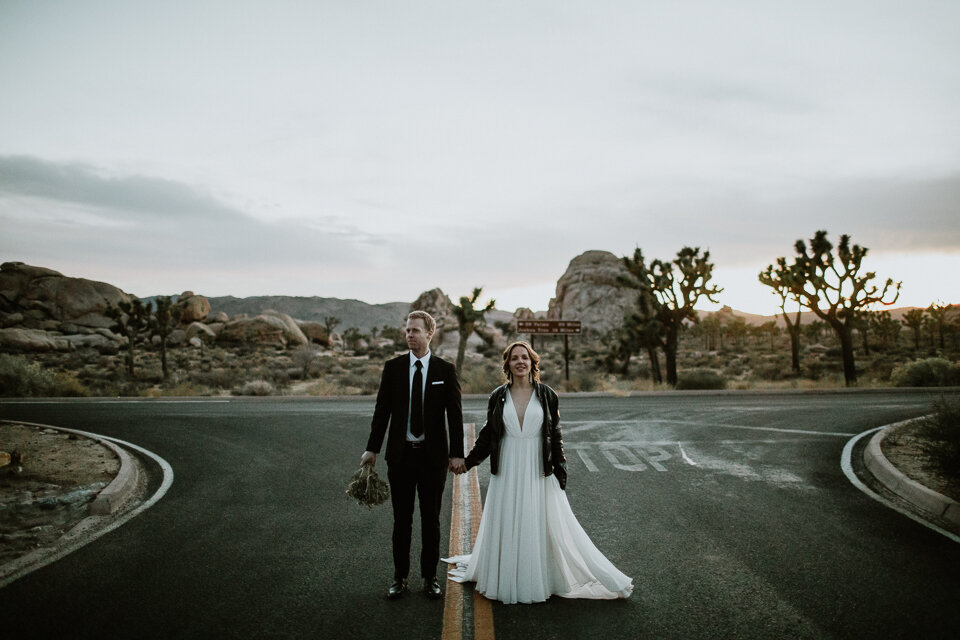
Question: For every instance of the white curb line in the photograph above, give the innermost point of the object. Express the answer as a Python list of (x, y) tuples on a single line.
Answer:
[(905, 487), (93, 526)]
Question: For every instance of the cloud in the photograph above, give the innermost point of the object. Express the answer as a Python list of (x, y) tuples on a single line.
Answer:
[(53, 210), (82, 184)]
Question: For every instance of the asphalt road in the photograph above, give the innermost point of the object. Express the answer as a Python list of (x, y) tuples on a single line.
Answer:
[(730, 511)]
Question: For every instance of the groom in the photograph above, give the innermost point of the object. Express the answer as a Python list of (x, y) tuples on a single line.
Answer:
[(416, 390)]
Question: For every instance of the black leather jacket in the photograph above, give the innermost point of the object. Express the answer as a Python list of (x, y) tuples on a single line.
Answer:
[(488, 442)]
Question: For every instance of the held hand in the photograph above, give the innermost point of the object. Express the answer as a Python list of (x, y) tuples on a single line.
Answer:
[(368, 457), (458, 466)]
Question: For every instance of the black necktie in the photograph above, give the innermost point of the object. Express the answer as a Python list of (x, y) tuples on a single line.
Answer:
[(416, 402)]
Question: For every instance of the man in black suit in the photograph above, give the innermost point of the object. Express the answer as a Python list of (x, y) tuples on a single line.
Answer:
[(417, 390)]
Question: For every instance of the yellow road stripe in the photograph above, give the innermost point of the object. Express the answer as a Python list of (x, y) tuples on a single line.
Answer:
[(467, 508)]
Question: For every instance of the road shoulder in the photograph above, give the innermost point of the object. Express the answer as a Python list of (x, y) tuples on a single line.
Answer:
[(900, 465)]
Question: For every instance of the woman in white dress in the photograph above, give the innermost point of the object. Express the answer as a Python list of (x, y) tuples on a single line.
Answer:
[(530, 545)]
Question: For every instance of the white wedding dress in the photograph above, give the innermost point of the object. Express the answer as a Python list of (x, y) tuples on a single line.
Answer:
[(530, 545)]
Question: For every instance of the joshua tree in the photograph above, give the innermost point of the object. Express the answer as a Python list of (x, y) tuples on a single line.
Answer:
[(937, 312), (886, 328), (833, 288), (331, 322), (467, 319), (643, 327), (772, 330), (777, 279), (670, 296), (161, 324), (129, 320), (914, 320)]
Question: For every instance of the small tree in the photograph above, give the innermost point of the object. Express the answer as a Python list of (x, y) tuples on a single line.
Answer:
[(162, 323), (737, 329), (393, 333), (468, 318), (331, 322), (303, 357), (129, 320), (885, 327), (712, 327), (913, 319), (352, 337), (937, 312), (778, 279), (833, 288), (772, 330)]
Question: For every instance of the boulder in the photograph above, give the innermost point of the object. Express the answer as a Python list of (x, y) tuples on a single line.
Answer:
[(590, 291), (270, 328), (192, 307), (45, 296), (315, 332), (17, 339), (219, 317), (10, 319), (199, 330), (93, 341)]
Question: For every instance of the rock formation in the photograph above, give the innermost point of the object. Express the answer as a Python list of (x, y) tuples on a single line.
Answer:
[(437, 304), (316, 332), (270, 328), (46, 299), (590, 291), (43, 310), (193, 308)]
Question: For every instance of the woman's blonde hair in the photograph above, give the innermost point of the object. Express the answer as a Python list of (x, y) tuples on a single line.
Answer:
[(534, 360)]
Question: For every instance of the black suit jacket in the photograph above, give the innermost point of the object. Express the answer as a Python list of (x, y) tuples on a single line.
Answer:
[(441, 400)]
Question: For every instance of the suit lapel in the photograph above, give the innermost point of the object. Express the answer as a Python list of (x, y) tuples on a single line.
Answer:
[(403, 386)]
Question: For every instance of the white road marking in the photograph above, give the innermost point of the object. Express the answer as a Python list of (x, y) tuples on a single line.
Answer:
[(587, 461), (578, 426), (686, 458), (29, 563)]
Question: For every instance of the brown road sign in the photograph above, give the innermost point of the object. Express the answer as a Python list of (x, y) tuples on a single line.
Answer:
[(548, 327)]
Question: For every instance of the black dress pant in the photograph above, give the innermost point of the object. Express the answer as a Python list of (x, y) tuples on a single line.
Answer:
[(416, 476)]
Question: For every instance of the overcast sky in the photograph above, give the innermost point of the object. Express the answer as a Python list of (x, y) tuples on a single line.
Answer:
[(377, 149)]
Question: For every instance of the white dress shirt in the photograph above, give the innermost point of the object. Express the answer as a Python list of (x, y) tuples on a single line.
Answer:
[(425, 361)]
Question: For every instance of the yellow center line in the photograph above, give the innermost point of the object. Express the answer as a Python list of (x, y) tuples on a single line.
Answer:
[(467, 508)]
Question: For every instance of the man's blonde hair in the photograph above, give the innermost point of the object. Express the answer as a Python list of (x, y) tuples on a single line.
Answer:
[(428, 321)]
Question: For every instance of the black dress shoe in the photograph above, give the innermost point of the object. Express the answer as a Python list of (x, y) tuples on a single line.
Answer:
[(396, 589), (432, 589)]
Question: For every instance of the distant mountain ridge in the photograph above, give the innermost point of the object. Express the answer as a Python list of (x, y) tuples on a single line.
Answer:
[(352, 313)]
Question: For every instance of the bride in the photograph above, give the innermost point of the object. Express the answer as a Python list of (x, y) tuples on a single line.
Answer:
[(530, 545)]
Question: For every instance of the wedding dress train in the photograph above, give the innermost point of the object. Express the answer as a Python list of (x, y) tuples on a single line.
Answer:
[(529, 545)]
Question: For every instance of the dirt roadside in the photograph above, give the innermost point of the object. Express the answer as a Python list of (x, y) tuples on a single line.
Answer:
[(49, 491), (909, 452)]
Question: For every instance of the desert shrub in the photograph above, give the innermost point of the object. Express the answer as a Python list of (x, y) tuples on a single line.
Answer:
[(942, 428), (480, 378), (215, 379), (366, 381), (772, 371), (21, 378), (180, 389), (931, 372), (255, 388), (701, 379), (581, 381)]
